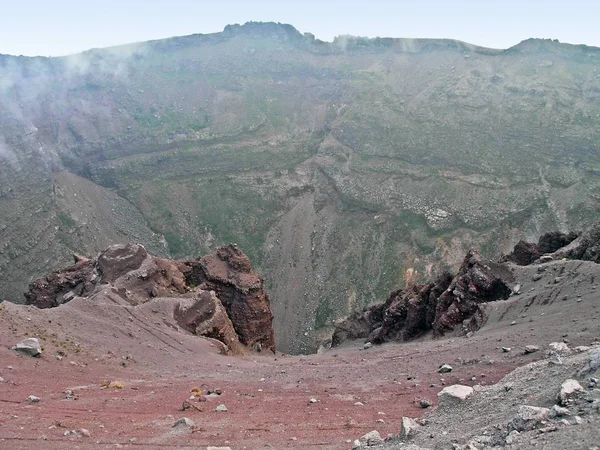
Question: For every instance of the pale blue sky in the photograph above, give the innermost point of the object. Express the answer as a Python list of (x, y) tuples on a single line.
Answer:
[(59, 27)]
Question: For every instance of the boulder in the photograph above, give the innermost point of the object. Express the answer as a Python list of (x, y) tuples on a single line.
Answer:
[(528, 418), (568, 390), (525, 253), (29, 346), (408, 428), (478, 281), (452, 395), (119, 259), (560, 348), (370, 439), (206, 316), (63, 285)]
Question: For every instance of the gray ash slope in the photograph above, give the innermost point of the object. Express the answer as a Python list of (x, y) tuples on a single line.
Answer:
[(556, 310)]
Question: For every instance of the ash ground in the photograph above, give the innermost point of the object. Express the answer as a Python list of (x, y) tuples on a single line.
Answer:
[(267, 396)]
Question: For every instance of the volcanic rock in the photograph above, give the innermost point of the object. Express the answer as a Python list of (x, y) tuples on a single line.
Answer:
[(528, 418), (439, 306), (183, 421), (63, 285), (568, 390), (206, 316), (525, 253), (408, 427), (217, 296), (586, 247), (229, 273), (370, 439), (477, 282)]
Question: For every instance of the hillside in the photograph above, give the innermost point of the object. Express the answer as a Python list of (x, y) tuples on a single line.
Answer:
[(343, 169)]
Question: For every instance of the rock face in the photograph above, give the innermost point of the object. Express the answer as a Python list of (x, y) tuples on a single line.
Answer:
[(525, 253), (229, 273), (206, 316), (586, 247), (477, 282), (219, 295), (439, 306), (63, 285)]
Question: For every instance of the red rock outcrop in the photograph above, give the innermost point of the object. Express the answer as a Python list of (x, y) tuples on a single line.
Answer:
[(221, 297), (229, 273), (439, 306), (477, 282)]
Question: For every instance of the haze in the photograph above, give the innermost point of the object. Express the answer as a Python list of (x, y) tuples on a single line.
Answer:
[(60, 27)]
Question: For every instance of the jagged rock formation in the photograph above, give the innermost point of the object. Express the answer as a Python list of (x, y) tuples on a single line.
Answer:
[(525, 253), (219, 295), (442, 305), (586, 247), (228, 272), (439, 306)]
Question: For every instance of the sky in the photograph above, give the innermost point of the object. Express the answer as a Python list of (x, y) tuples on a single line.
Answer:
[(61, 27)]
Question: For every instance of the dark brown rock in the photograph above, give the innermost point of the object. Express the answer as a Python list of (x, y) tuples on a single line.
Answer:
[(62, 286), (477, 282), (586, 247), (525, 253), (206, 316), (229, 273), (438, 306), (120, 259)]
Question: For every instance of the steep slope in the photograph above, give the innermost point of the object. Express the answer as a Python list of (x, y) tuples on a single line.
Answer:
[(343, 169)]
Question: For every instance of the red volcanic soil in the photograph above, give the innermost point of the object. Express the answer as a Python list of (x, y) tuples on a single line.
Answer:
[(267, 395)]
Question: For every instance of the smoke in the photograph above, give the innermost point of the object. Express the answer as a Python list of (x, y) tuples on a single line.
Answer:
[(37, 73), (7, 155)]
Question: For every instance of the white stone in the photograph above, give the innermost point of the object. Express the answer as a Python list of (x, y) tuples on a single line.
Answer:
[(312, 400), (29, 346), (221, 408), (454, 394), (567, 390), (408, 427), (372, 438), (445, 368), (560, 347), (33, 399), (531, 349), (559, 411)]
